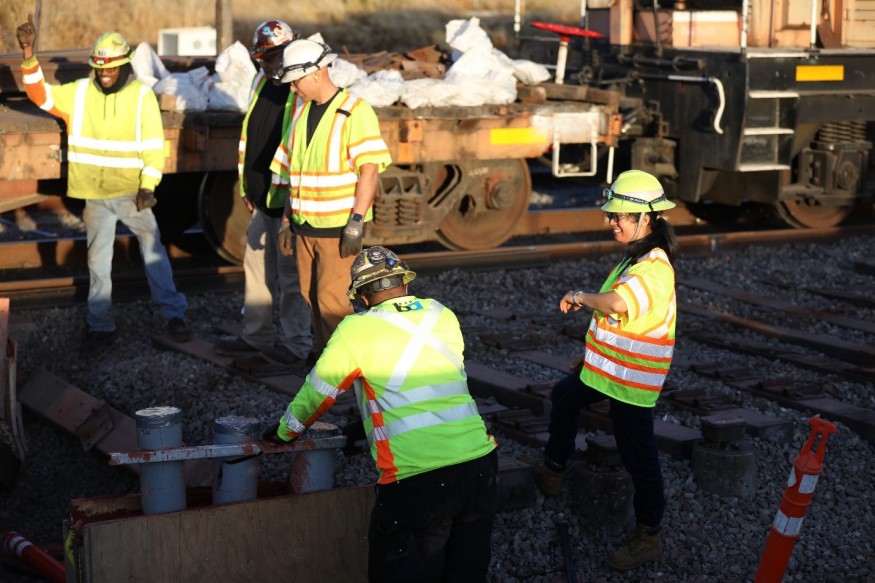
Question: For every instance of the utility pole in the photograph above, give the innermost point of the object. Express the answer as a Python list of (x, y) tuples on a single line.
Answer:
[(224, 25)]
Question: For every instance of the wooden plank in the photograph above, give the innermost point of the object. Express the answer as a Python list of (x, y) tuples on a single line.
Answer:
[(847, 351), (54, 399), (319, 536), (288, 384), (779, 304), (11, 454)]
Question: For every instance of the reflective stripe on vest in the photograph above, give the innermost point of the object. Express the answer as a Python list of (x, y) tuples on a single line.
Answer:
[(77, 140), (259, 82), (420, 336), (628, 359), (329, 191)]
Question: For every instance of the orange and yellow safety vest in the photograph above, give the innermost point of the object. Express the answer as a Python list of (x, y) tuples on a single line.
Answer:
[(628, 355), (323, 173)]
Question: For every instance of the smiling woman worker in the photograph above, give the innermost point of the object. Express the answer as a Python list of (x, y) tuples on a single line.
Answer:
[(629, 348)]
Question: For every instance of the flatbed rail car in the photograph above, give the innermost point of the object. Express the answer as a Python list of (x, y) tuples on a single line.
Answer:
[(734, 101), (460, 174)]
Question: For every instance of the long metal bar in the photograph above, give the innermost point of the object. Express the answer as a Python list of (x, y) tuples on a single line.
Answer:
[(145, 456)]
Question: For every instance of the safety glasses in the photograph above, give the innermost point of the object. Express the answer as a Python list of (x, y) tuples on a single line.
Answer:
[(617, 216)]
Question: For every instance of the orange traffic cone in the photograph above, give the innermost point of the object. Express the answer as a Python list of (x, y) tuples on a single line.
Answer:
[(18, 546), (807, 467)]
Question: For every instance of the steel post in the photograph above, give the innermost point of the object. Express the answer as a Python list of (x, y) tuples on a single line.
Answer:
[(312, 468), (162, 485), (235, 479)]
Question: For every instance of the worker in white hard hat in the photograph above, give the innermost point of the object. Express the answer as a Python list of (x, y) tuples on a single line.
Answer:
[(436, 495), (115, 160), (271, 278), (629, 347), (331, 160)]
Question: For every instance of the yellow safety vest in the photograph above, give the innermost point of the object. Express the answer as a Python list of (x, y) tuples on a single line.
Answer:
[(628, 355), (324, 172), (277, 192), (403, 357), (115, 142)]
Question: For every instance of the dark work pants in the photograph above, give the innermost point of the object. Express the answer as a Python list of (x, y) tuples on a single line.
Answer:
[(633, 432), (435, 526)]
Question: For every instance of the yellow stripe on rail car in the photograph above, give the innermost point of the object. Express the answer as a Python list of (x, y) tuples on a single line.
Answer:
[(820, 73), (510, 136)]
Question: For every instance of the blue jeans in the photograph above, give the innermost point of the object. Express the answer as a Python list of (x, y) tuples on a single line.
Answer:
[(633, 432), (435, 527), (101, 217), (271, 276)]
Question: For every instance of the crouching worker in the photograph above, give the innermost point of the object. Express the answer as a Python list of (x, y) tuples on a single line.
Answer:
[(436, 494)]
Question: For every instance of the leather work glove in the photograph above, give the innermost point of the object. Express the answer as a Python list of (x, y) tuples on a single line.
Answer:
[(145, 199), (286, 240), (351, 238), (26, 33), (270, 435)]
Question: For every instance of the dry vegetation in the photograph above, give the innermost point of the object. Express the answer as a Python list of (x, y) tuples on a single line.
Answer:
[(359, 26)]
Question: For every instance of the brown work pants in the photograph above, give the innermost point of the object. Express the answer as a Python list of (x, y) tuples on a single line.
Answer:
[(325, 279)]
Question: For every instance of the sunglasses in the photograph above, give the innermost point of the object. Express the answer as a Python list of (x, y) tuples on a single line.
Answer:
[(617, 216)]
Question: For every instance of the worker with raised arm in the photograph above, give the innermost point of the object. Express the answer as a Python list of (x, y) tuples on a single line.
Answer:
[(271, 277), (115, 160), (436, 495), (331, 160)]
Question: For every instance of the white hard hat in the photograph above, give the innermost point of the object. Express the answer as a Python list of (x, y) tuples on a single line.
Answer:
[(303, 56)]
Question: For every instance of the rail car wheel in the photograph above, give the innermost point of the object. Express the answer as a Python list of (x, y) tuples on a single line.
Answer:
[(802, 215), (490, 206), (223, 215)]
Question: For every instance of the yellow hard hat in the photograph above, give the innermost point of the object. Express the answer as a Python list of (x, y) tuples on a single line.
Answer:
[(110, 50), (636, 191), (375, 269)]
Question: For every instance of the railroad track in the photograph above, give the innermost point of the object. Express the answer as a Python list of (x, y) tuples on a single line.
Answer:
[(47, 272), (516, 406)]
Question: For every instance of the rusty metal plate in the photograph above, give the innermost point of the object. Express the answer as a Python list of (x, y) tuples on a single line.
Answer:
[(97, 426)]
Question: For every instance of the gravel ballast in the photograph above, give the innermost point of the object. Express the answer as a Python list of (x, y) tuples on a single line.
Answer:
[(707, 538)]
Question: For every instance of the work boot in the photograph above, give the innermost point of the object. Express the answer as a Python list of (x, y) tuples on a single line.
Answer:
[(644, 545), (548, 480), (234, 346), (178, 330), (281, 354)]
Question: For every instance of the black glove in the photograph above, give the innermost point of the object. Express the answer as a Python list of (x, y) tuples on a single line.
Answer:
[(355, 434), (286, 240), (270, 434), (26, 33), (351, 238), (145, 199)]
